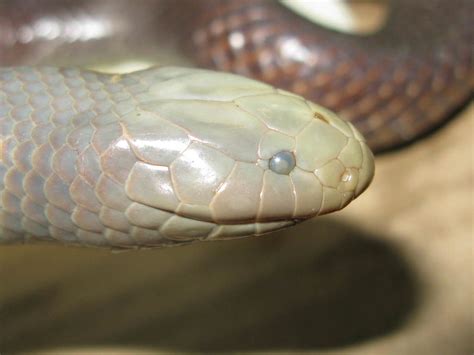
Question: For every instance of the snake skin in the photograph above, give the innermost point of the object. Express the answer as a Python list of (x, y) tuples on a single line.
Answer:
[(164, 157), (394, 86)]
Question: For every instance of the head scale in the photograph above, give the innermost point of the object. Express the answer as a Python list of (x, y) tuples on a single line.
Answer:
[(237, 152)]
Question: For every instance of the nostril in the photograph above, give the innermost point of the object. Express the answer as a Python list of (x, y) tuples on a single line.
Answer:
[(349, 180), (347, 176)]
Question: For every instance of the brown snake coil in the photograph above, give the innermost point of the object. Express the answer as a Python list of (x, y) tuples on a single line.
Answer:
[(393, 86)]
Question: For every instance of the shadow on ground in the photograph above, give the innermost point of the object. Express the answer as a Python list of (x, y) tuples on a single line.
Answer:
[(316, 286)]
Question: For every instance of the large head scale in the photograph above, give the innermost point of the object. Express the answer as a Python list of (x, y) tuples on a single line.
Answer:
[(224, 149)]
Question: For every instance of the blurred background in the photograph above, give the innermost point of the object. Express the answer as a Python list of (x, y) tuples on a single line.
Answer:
[(391, 274)]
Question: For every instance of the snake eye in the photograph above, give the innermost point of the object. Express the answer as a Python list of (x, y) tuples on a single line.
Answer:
[(282, 162)]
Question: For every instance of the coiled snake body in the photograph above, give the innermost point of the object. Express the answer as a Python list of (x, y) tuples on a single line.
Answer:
[(165, 156)]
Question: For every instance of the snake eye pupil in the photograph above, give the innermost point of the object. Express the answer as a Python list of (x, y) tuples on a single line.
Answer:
[(282, 162)]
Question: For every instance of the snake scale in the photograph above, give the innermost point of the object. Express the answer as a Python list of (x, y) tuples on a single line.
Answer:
[(165, 156), (394, 85)]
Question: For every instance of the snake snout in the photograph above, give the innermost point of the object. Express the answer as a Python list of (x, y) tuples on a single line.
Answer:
[(337, 161)]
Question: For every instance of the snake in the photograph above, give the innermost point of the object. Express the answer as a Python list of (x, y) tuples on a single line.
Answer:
[(395, 85), (166, 156)]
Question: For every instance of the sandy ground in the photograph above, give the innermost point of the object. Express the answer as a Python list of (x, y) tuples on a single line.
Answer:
[(391, 274)]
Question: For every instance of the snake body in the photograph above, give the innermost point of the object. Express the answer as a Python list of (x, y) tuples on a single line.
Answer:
[(165, 156), (394, 85)]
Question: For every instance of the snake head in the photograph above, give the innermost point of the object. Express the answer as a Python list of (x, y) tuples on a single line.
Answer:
[(240, 154)]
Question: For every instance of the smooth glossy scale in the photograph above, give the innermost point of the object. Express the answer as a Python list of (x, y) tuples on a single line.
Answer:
[(166, 156)]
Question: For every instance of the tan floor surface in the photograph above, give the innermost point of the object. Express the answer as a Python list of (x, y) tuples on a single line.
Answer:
[(391, 274)]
